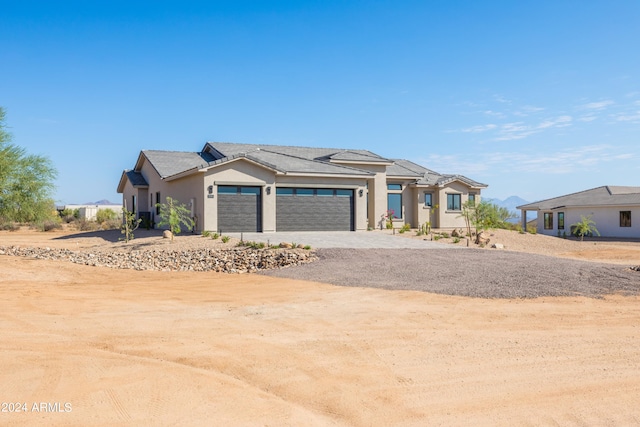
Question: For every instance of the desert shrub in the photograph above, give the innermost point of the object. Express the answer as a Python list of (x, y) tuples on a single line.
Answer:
[(436, 237), (111, 224), (215, 236), (456, 240), (307, 247), (85, 225), (445, 235), (225, 239), (252, 245), (104, 215), (48, 225), (206, 233), (9, 226), (531, 229)]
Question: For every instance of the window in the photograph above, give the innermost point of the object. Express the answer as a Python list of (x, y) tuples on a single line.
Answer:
[(158, 201), (394, 203), (250, 190), (394, 186), (548, 221), (134, 203), (625, 218), (453, 202), (560, 220), (472, 198), (428, 199), (284, 191), (226, 189), (304, 191), (344, 193), (325, 192)]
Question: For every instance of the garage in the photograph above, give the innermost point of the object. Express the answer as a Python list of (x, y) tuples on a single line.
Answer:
[(239, 209), (314, 209)]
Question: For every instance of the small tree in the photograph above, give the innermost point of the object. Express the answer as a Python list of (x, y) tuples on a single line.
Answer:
[(585, 226), (26, 182), (129, 223), (173, 213)]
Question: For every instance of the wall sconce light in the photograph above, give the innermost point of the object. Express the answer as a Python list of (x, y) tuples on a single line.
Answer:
[(210, 189), (360, 192), (268, 190)]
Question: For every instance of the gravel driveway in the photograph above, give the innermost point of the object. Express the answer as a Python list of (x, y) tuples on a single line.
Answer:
[(466, 272)]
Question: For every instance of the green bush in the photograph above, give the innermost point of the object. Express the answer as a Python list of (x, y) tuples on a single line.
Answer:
[(206, 233), (104, 215), (531, 229), (225, 239), (456, 240), (215, 236)]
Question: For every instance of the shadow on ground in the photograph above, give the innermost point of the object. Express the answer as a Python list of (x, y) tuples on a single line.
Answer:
[(112, 236)]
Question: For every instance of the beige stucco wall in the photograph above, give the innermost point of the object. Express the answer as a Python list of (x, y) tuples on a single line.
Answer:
[(452, 219), (240, 172)]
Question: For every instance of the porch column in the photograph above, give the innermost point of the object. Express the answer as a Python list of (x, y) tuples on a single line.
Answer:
[(523, 215)]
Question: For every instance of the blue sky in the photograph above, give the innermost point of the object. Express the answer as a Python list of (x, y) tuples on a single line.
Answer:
[(535, 99)]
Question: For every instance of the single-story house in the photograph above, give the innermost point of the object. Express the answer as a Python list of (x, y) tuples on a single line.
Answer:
[(253, 187), (612, 208)]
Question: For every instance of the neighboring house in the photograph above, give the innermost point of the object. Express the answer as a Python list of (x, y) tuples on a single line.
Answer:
[(90, 212), (247, 187), (614, 209)]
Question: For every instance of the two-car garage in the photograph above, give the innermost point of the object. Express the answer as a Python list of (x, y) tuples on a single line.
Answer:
[(297, 209), (314, 209)]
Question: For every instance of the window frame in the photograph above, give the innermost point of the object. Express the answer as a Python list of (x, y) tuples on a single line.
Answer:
[(397, 213), (429, 198), (625, 222), (560, 220), (451, 203)]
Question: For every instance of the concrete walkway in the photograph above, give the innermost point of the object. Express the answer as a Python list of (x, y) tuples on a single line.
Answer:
[(342, 239)]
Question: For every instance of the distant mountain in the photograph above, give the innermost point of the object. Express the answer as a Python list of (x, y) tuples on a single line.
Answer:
[(101, 202), (511, 203)]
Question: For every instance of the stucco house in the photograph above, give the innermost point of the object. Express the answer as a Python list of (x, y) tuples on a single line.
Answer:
[(612, 208), (249, 187)]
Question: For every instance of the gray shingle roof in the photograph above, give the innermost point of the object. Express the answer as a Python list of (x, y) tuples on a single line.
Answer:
[(294, 159), (290, 159), (169, 163), (599, 196), (136, 179), (227, 149)]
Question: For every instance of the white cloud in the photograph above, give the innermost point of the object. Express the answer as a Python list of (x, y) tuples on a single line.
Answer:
[(601, 105), (480, 128), (632, 117), (564, 161)]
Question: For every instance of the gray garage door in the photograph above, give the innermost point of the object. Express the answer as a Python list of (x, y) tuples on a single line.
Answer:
[(314, 209), (239, 208)]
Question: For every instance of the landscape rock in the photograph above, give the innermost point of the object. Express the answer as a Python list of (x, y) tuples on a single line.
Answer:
[(235, 260), (167, 234), (497, 246), (456, 233), (286, 245), (483, 238)]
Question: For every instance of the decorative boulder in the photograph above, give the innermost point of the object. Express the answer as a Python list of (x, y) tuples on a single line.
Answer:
[(167, 234), (482, 238), (456, 233), (497, 246), (286, 245)]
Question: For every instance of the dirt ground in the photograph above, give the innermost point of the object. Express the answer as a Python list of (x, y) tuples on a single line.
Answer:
[(95, 346)]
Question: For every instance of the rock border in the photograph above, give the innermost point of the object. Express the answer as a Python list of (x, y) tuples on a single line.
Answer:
[(235, 260)]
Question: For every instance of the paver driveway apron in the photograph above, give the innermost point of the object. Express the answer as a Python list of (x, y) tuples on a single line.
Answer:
[(341, 239)]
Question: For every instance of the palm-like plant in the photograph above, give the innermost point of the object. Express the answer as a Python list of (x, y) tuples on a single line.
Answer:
[(585, 227)]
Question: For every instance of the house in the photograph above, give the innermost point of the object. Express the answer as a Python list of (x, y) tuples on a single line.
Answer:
[(249, 187), (612, 208)]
